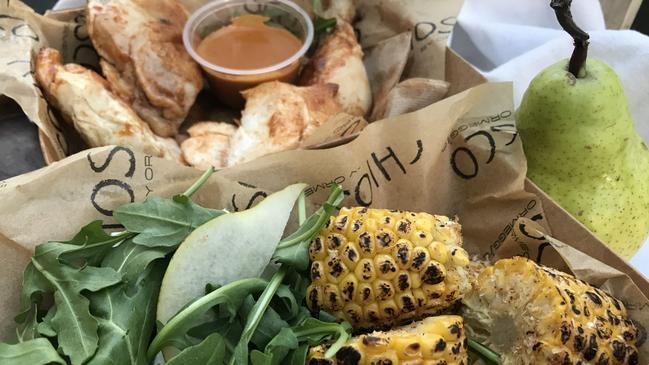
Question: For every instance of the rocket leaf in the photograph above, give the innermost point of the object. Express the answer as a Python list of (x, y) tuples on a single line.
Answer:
[(76, 328), (33, 352), (163, 222), (92, 244), (209, 352)]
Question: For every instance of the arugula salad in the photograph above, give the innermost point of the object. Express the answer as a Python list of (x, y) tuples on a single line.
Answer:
[(99, 297)]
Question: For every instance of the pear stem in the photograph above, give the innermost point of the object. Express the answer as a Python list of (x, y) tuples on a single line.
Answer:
[(579, 55)]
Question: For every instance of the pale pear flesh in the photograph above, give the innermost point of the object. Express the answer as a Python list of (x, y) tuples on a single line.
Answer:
[(230, 247), (583, 150)]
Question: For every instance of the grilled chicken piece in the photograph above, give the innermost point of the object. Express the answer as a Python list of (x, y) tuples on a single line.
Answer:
[(100, 117), (538, 315), (208, 144), (144, 60), (339, 60), (277, 117), (432, 341), (377, 268)]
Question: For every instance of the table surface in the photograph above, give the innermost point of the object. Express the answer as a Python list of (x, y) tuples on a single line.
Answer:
[(20, 151)]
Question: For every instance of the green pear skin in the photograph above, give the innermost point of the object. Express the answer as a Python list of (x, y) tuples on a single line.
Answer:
[(582, 149)]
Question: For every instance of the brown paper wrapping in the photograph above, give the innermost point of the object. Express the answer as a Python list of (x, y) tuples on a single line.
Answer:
[(66, 31), (460, 157)]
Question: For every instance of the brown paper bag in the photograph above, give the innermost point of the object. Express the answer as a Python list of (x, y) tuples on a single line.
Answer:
[(460, 157)]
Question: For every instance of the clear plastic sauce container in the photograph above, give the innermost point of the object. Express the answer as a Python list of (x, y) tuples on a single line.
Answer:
[(241, 43)]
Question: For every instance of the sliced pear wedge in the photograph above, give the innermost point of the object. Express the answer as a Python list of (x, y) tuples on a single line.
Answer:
[(227, 248)]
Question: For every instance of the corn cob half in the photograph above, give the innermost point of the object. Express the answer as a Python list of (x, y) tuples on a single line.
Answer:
[(538, 315), (377, 268), (432, 341)]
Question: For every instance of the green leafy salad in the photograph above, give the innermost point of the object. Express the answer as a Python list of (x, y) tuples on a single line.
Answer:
[(183, 284)]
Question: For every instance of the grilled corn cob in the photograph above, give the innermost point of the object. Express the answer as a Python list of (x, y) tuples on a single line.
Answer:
[(376, 268), (538, 315), (432, 341)]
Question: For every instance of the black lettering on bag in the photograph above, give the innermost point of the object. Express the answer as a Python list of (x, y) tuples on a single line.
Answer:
[(424, 30), (358, 196), (251, 202), (106, 183), (372, 173), (379, 163), (81, 23), (450, 22), (109, 158), (456, 168), (492, 143), (148, 170), (506, 128), (523, 230), (539, 255), (420, 150), (18, 27)]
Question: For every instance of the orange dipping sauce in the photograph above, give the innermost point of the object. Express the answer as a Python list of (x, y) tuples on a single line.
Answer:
[(248, 44)]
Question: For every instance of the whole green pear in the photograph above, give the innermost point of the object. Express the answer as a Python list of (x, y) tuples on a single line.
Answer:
[(582, 149)]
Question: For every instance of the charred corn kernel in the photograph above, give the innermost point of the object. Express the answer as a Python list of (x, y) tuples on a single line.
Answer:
[(402, 282), (385, 239), (407, 303), (331, 298), (340, 223), (371, 312), (314, 297), (388, 308), (317, 272), (420, 298), (364, 270), (317, 249), (335, 241), (374, 256), (351, 255), (420, 257), (434, 340), (386, 267), (566, 321), (353, 313), (383, 290), (364, 294), (433, 273), (335, 268), (367, 244), (348, 287), (402, 252)]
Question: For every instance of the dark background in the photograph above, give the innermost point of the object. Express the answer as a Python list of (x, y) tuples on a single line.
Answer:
[(19, 149)]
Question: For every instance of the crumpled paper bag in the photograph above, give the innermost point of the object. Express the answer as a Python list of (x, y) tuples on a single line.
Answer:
[(459, 157)]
